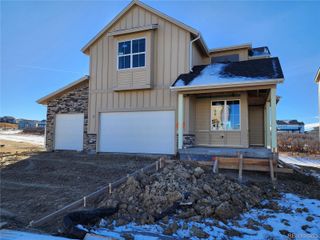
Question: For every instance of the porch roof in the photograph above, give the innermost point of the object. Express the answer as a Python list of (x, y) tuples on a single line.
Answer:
[(243, 73)]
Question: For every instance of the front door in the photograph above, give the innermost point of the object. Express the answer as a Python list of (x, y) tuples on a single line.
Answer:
[(256, 125)]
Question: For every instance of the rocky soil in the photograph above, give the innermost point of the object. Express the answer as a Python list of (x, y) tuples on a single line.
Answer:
[(183, 190)]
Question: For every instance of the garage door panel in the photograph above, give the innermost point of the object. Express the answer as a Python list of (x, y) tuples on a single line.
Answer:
[(69, 132), (137, 132)]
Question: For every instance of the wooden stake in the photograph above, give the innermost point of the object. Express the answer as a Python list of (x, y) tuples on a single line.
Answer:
[(216, 166), (271, 168), (240, 166), (84, 201), (110, 188)]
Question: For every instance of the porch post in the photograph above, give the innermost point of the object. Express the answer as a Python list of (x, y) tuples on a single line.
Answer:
[(267, 125), (180, 120), (273, 119)]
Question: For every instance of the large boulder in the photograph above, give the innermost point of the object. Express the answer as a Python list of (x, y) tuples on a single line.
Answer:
[(198, 232), (198, 171), (224, 211)]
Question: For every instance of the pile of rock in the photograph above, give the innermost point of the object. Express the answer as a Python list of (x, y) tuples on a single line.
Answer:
[(184, 191)]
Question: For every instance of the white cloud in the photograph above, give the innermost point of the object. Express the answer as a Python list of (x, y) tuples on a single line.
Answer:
[(310, 126)]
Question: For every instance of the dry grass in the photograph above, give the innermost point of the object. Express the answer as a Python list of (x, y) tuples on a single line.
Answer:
[(8, 125), (13, 147), (301, 143)]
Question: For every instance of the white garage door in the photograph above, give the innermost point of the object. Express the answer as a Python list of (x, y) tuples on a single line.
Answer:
[(69, 132), (137, 132)]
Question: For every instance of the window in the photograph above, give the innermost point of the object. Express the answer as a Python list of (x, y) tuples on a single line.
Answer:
[(132, 53), (225, 115)]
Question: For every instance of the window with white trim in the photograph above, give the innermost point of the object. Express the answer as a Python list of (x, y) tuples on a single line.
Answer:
[(132, 53), (225, 115)]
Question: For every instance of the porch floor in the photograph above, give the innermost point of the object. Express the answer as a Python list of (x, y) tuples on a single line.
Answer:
[(208, 153)]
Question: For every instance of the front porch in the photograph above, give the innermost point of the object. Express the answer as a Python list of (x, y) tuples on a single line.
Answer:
[(227, 122)]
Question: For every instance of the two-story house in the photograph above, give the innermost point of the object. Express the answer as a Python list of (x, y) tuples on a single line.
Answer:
[(155, 88)]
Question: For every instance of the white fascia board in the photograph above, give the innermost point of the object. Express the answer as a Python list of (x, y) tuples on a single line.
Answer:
[(228, 85), (45, 98)]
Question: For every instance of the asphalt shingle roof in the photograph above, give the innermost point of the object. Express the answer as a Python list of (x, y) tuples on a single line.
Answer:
[(224, 73)]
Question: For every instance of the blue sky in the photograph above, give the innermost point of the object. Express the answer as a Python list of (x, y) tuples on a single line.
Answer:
[(41, 42)]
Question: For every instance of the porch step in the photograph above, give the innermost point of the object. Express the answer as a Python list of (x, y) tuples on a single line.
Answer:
[(209, 154)]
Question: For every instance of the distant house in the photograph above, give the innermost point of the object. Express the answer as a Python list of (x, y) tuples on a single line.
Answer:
[(41, 124), (8, 119), (290, 126), (25, 123)]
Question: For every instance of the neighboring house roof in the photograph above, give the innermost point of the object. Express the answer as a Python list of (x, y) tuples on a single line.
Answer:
[(317, 78), (229, 48), (44, 100), (259, 51), (148, 8), (289, 122), (251, 72)]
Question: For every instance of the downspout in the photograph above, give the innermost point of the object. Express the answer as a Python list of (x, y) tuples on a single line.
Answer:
[(190, 51)]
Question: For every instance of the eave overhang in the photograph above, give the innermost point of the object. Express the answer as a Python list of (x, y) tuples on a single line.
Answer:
[(228, 85)]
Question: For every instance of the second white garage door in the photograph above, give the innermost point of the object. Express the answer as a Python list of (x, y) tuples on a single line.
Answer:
[(137, 132), (69, 132)]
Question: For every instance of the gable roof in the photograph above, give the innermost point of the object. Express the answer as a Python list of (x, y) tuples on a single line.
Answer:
[(317, 78), (44, 100), (251, 72), (150, 9)]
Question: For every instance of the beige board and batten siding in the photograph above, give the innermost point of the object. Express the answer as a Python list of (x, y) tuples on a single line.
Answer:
[(170, 58), (198, 58), (206, 137)]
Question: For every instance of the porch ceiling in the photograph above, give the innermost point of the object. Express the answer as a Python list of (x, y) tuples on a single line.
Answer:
[(258, 97)]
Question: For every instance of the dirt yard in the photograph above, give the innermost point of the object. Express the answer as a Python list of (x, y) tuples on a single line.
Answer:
[(9, 147), (40, 184)]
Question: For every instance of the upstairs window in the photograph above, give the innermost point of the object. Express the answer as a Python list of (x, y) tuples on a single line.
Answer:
[(132, 53)]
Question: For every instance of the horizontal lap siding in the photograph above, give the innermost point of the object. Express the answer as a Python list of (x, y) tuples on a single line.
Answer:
[(169, 58)]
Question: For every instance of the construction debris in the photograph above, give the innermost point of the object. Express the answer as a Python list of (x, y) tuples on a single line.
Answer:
[(184, 191)]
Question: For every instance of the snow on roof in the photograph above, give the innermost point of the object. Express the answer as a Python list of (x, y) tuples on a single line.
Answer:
[(243, 72), (213, 75)]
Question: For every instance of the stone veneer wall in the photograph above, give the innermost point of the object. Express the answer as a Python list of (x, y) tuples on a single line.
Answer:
[(189, 140), (74, 101)]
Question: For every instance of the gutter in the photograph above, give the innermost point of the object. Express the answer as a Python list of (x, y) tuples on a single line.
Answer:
[(228, 85), (190, 51)]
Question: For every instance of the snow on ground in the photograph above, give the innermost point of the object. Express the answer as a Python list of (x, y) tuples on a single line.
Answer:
[(17, 136), (299, 216), (300, 161), (17, 235)]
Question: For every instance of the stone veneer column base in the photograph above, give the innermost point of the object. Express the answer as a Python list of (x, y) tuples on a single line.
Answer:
[(90, 145)]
